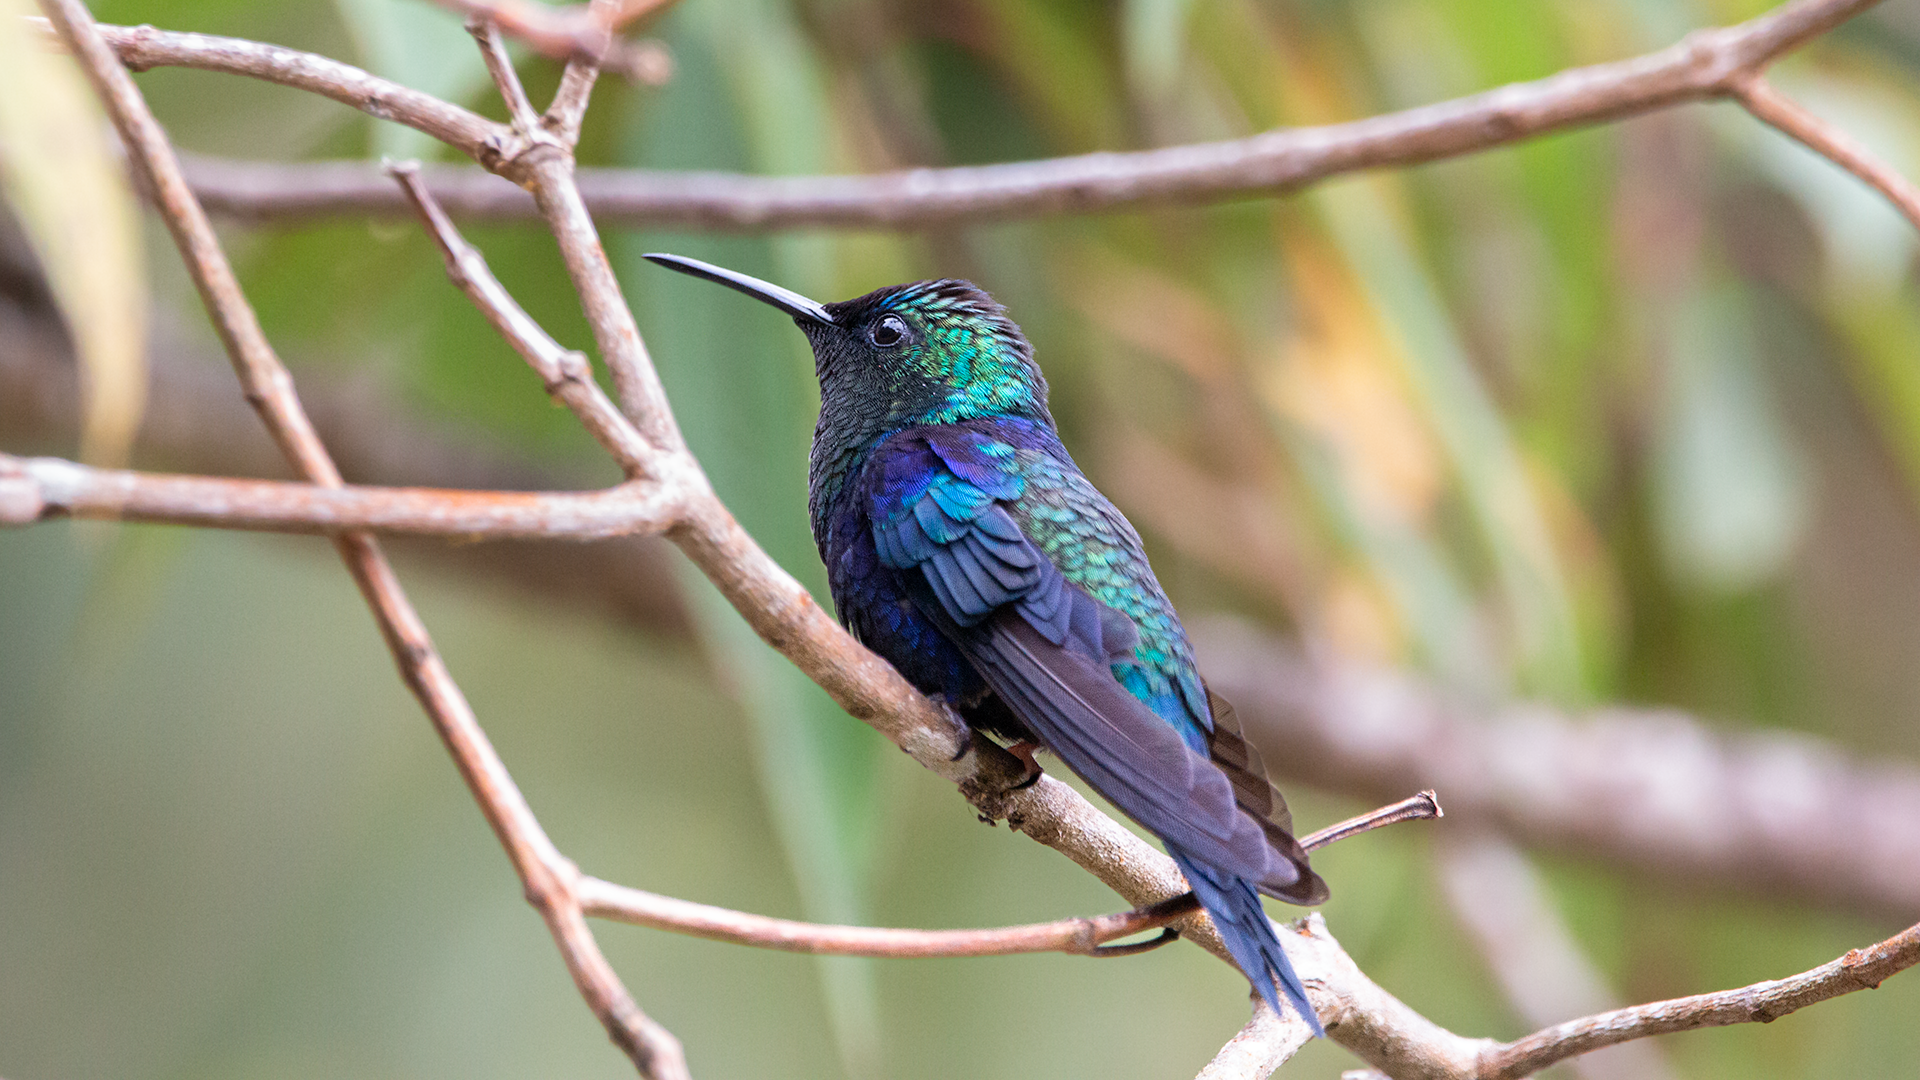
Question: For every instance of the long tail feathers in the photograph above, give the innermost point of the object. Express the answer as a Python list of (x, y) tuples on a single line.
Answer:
[(1236, 911)]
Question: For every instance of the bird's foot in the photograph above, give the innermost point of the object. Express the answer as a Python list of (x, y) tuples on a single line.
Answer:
[(1024, 751)]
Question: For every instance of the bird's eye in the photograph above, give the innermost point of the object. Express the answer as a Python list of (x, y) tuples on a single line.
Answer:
[(888, 332)]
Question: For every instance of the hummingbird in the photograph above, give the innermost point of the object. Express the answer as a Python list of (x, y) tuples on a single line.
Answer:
[(965, 547)]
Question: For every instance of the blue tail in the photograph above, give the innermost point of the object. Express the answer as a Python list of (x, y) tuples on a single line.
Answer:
[(1243, 923)]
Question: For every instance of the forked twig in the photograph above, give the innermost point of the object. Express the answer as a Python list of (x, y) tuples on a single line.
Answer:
[(547, 875), (565, 372), (1788, 116), (577, 32)]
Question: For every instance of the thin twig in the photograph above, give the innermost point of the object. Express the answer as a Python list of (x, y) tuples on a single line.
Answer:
[(547, 875), (1422, 807), (1082, 936), (568, 109), (1760, 1003), (143, 47), (565, 373), (493, 52), (1772, 107), (575, 33), (195, 423), (561, 33), (1707, 64), (635, 382), (54, 487)]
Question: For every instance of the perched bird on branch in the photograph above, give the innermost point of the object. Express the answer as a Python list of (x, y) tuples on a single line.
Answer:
[(964, 546)]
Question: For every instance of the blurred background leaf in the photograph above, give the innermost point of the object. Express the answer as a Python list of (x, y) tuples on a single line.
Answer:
[(59, 172)]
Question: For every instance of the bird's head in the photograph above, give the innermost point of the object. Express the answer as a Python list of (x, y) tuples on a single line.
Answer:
[(925, 352)]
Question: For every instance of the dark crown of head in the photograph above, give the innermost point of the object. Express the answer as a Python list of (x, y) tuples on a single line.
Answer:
[(946, 300)]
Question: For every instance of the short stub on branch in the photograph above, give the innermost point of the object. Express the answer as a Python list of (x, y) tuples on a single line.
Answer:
[(1422, 807), (20, 502)]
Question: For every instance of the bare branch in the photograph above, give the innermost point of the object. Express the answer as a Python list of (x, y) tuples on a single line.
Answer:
[(577, 33), (547, 875), (1506, 910), (1383, 1031), (54, 487), (1361, 1016), (1761, 1003), (195, 423), (1083, 936), (493, 51), (142, 47), (566, 373), (568, 109), (1782, 112), (550, 176), (562, 33), (1706, 65), (1422, 807)]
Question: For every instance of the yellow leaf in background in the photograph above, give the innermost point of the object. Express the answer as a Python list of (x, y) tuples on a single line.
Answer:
[(62, 179), (1337, 379), (1153, 312)]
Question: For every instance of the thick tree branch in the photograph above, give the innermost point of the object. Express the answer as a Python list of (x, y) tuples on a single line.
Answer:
[(1706, 65), (1650, 788), (1257, 1049), (1399, 1042), (547, 875)]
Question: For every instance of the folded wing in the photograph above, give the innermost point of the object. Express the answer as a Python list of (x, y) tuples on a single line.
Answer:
[(1047, 648)]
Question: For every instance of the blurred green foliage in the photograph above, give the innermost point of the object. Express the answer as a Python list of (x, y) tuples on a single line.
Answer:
[(1631, 413)]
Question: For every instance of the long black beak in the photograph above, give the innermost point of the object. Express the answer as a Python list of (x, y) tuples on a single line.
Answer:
[(786, 300)]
